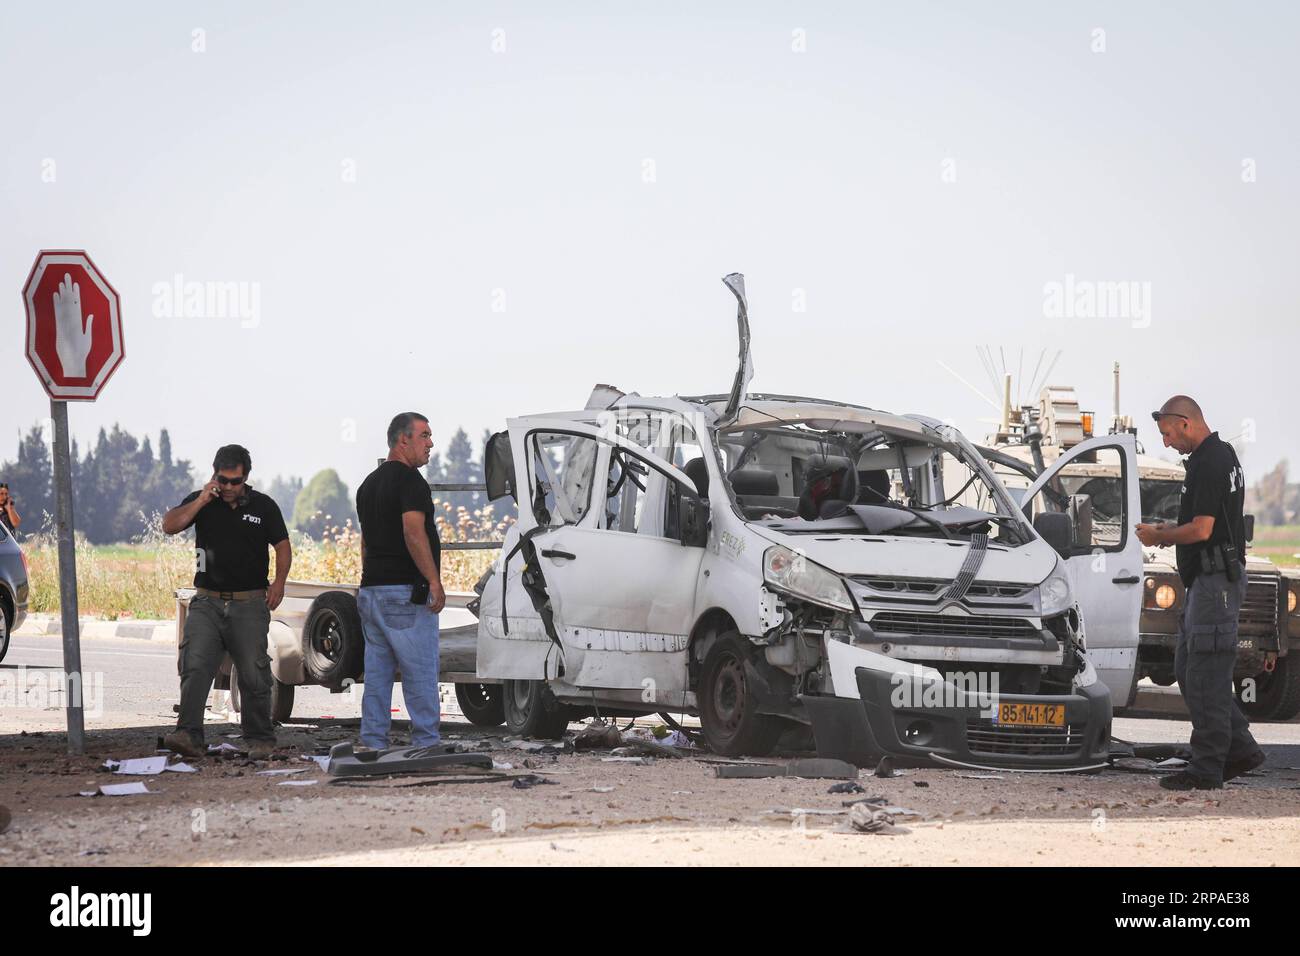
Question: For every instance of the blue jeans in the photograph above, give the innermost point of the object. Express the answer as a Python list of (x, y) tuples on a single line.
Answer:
[(399, 636)]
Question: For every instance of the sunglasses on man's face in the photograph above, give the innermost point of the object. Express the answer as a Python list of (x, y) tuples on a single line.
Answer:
[(1156, 416), (223, 480)]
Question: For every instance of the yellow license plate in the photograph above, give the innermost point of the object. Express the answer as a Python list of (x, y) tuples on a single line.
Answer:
[(1030, 715)]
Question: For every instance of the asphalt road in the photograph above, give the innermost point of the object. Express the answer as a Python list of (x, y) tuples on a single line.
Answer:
[(134, 683)]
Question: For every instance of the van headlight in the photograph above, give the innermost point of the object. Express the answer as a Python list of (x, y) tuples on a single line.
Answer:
[(1054, 593), (795, 574), (1087, 675)]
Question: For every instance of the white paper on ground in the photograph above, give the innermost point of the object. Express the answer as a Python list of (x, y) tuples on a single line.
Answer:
[(142, 766), (181, 767), (222, 748), (281, 772), (298, 783), (121, 789), (322, 762)]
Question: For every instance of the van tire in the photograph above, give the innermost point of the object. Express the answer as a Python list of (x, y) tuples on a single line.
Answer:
[(333, 644), (1277, 695), (531, 710), (482, 704), (732, 726)]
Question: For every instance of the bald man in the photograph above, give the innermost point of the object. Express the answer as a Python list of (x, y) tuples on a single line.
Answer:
[(1209, 541)]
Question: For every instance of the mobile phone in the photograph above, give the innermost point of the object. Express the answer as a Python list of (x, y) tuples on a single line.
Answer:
[(420, 592)]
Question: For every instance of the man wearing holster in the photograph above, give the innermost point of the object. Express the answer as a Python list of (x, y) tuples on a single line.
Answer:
[(230, 612), (1210, 545)]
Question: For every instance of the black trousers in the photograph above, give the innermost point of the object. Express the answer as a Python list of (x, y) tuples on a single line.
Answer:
[(214, 628), (1204, 658)]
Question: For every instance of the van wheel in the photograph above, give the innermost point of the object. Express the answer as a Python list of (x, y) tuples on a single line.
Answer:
[(281, 700), (531, 710), (1277, 695), (333, 645), (482, 704), (732, 727)]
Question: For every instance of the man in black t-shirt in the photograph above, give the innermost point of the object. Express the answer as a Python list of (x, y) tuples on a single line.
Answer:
[(401, 587), (1210, 545), (230, 612)]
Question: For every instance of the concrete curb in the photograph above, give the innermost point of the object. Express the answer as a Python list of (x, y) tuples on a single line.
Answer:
[(161, 632)]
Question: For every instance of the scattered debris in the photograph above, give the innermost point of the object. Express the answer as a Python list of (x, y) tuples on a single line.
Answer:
[(979, 776), (919, 783), (597, 736), (119, 790), (137, 766), (321, 761), (849, 786), (811, 768), (501, 765), (886, 769), (223, 748), (181, 767), (866, 818), (281, 771), (297, 783), (634, 761), (529, 780), (344, 762)]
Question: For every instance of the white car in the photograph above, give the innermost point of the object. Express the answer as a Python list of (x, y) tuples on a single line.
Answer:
[(767, 561)]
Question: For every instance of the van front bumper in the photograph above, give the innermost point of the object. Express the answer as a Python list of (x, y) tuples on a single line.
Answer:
[(958, 730)]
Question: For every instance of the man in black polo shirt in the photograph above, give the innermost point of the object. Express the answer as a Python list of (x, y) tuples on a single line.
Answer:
[(230, 612), (401, 588), (1210, 544)]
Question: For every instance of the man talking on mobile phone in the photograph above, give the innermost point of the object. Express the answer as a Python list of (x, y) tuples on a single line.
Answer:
[(230, 612), (401, 591), (1210, 544)]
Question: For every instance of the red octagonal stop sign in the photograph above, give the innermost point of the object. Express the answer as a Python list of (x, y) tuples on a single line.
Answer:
[(74, 325)]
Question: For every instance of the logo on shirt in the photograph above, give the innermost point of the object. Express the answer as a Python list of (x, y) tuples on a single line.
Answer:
[(1236, 479), (253, 518)]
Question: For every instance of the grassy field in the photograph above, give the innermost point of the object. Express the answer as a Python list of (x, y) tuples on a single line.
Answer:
[(1279, 543), (137, 579)]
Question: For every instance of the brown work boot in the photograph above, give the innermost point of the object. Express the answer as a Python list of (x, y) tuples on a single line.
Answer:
[(183, 743), (261, 749)]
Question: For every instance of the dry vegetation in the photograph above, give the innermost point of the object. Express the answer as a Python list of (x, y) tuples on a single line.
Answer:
[(137, 580)]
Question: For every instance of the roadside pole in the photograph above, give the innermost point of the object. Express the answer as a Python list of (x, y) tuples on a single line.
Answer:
[(74, 345), (73, 683)]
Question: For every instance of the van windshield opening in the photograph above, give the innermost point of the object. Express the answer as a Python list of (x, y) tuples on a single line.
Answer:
[(803, 480)]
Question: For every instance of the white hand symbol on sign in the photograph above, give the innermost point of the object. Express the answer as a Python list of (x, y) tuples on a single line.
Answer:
[(72, 333)]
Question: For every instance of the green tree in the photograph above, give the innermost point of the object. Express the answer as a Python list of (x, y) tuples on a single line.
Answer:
[(285, 491), (324, 502), (31, 479)]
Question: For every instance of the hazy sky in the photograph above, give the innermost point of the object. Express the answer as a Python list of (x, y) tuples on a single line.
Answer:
[(475, 210)]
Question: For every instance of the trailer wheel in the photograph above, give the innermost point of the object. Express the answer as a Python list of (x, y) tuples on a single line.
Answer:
[(732, 727), (482, 704), (1277, 694), (281, 701), (333, 645), (531, 710)]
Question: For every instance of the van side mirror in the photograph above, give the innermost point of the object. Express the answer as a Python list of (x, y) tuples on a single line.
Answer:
[(1249, 523), (1057, 529)]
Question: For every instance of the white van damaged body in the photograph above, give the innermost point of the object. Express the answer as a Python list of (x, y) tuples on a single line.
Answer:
[(765, 561)]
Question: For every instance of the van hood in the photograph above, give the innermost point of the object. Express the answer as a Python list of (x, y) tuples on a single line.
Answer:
[(901, 557)]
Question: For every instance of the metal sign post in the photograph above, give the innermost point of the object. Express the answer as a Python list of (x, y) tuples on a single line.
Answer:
[(73, 683), (74, 344)]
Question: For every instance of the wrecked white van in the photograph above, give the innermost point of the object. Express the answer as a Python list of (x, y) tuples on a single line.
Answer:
[(766, 561)]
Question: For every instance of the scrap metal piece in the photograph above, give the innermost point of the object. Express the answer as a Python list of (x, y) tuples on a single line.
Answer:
[(811, 768), (345, 763), (736, 283)]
